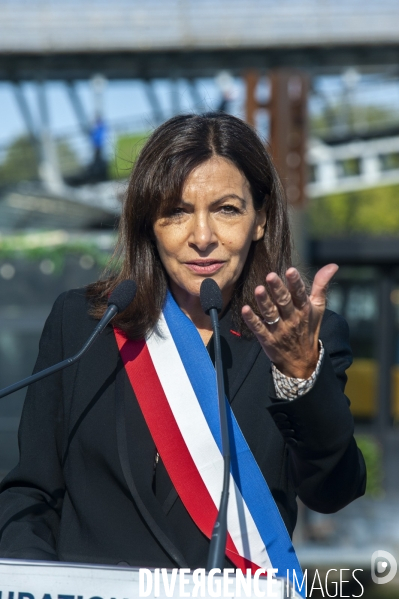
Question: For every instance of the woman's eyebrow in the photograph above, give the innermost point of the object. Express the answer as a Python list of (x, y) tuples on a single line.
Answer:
[(228, 196)]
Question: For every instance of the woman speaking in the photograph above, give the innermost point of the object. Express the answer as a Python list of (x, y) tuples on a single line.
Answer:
[(120, 457)]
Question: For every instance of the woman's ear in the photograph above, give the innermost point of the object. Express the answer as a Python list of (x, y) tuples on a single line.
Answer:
[(260, 224)]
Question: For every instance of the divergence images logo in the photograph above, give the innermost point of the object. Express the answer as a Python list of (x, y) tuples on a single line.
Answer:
[(383, 567)]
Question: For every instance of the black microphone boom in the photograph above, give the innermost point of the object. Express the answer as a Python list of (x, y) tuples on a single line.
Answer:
[(211, 302), (118, 301)]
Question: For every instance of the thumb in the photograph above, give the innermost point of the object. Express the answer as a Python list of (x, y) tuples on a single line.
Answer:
[(320, 284)]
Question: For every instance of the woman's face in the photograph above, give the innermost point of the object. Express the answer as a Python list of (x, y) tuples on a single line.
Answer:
[(210, 232)]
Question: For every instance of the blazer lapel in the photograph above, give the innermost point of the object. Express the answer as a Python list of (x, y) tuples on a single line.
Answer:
[(238, 353)]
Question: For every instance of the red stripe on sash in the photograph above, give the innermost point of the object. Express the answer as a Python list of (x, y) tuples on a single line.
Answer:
[(170, 443)]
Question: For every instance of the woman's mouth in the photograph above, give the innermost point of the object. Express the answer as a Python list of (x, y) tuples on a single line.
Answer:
[(207, 267)]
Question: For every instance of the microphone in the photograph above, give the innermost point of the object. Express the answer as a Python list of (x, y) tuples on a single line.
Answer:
[(211, 302), (118, 301)]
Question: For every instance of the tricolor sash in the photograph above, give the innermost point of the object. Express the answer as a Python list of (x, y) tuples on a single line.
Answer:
[(174, 381)]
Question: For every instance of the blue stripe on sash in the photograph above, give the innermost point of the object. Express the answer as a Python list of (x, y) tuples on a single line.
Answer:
[(244, 468)]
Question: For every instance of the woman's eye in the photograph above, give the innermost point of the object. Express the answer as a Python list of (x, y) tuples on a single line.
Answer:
[(176, 212), (229, 209)]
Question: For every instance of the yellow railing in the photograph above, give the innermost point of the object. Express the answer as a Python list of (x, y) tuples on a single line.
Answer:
[(362, 388)]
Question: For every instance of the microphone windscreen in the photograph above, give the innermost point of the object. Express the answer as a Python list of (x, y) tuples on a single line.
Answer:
[(123, 295), (210, 296)]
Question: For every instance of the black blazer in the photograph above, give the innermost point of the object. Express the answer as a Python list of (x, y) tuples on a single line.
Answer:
[(84, 489)]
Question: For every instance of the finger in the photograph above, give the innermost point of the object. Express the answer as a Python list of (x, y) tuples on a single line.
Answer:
[(297, 288), (280, 295), (320, 284), (254, 323), (267, 309)]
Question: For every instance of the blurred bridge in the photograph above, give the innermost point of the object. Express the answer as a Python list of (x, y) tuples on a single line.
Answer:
[(50, 39)]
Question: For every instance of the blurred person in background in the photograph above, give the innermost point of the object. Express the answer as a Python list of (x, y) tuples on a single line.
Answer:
[(117, 452), (97, 170)]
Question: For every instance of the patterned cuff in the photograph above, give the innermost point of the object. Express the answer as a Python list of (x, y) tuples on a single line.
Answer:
[(289, 387)]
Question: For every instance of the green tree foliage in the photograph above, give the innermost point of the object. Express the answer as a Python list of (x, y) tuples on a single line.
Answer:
[(56, 246), (68, 160), (373, 211), (372, 454), (126, 151), (21, 160)]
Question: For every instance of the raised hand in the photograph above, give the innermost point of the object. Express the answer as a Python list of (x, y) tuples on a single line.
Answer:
[(288, 330)]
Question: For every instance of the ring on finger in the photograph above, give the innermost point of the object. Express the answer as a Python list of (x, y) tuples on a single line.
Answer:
[(272, 321)]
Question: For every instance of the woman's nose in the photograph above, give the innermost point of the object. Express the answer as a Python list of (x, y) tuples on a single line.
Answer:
[(203, 233)]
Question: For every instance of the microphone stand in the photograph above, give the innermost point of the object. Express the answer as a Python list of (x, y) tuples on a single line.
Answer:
[(111, 311), (217, 547), (118, 301)]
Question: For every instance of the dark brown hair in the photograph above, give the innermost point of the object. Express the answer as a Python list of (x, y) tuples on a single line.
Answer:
[(155, 187)]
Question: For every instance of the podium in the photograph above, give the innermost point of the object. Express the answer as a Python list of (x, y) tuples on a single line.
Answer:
[(23, 579)]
